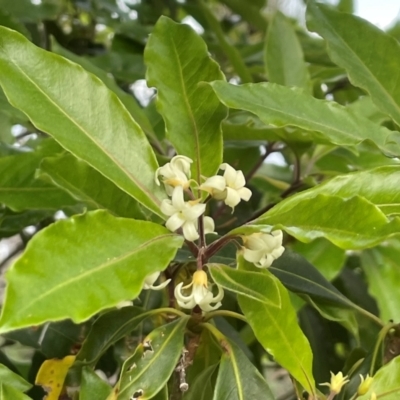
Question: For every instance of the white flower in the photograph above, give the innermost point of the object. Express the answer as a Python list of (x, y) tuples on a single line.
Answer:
[(336, 383), (263, 248), (201, 295), (229, 187), (150, 279), (184, 214), (175, 173)]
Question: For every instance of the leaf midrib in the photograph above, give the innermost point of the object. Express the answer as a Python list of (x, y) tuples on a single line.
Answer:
[(101, 148)]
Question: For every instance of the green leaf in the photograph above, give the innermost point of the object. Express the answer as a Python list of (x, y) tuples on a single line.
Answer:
[(238, 378), (178, 61), (12, 379), (8, 392), (378, 74), (87, 185), (250, 284), (95, 127), (326, 257), (20, 190), (386, 383), (283, 56), (301, 277), (279, 333), (333, 218), (108, 329), (328, 121), (378, 185), (92, 386), (383, 274), (60, 267), (153, 362), (202, 388)]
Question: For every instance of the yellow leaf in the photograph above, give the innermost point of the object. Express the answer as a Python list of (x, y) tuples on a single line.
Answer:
[(52, 374)]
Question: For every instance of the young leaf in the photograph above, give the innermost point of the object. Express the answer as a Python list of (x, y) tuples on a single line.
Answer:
[(334, 218), (250, 284), (279, 333), (80, 112), (92, 386), (238, 378), (12, 379), (87, 185), (178, 61), (376, 74), (283, 56), (149, 368), (59, 267), (282, 106)]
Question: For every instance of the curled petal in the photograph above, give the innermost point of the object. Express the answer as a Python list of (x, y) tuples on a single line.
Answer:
[(252, 256), (278, 252), (244, 193), (175, 222), (209, 225), (178, 293), (232, 197), (265, 262), (215, 182), (192, 213), (177, 198), (190, 231), (167, 208), (150, 279), (239, 181), (182, 163)]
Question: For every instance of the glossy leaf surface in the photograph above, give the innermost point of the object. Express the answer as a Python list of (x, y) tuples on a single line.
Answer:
[(238, 378), (281, 106), (278, 332), (247, 283), (378, 74), (92, 386), (153, 362), (10, 378), (49, 275), (9, 392), (87, 185), (68, 95), (178, 61)]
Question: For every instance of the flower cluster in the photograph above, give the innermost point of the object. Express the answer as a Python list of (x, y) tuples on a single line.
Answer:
[(183, 214), (263, 248)]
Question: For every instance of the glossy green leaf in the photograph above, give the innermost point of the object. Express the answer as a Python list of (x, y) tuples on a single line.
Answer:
[(127, 100), (59, 267), (250, 284), (386, 383), (178, 61), (10, 378), (108, 329), (283, 56), (87, 185), (202, 388), (278, 331), (378, 74), (153, 362), (333, 218), (378, 185), (80, 112), (282, 106), (383, 274), (8, 392), (92, 386), (20, 190), (327, 258), (238, 378), (301, 277)]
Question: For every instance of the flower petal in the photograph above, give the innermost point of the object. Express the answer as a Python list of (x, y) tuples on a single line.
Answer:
[(160, 286), (232, 197), (229, 174), (150, 279), (239, 181), (214, 182), (253, 256), (167, 208), (178, 294), (174, 222), (244, 193), (177, 198), (193, 212), (209, 225), (189, 231)]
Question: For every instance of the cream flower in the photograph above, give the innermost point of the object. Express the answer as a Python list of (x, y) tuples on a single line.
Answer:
[(201, 295), (175, 173), (263, 248), (229, 187), (184, 214), (337, 382), (150, 280), (364, 385)]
